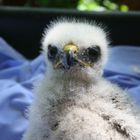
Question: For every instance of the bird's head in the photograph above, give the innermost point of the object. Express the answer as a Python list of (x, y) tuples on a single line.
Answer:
[(75, 49)]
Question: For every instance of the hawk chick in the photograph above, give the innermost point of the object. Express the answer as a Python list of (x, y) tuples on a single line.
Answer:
[(74, 101)]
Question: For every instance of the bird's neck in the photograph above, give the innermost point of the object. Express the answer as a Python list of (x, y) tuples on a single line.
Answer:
[(64, 83), (56, 87), (70, 79)]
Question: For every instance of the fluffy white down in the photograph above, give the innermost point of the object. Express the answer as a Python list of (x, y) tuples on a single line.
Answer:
[(80, 105)]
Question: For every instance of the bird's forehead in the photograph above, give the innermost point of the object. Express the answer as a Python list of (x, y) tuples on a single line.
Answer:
[(78, 33)]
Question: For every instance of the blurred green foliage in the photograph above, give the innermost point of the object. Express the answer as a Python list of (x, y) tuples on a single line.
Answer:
[(101, 5), (84, 5)]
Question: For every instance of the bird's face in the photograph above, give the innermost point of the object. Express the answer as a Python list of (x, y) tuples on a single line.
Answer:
[(75, 48), (73, 57)]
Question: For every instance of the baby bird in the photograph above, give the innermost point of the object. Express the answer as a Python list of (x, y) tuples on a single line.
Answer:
[(74, 101)]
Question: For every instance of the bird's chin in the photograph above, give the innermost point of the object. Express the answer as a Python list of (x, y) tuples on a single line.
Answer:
[(69, 70), (74, 74)]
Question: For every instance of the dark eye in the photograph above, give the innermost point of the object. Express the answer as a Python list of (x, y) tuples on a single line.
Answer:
[(52, 51), (93, 53)]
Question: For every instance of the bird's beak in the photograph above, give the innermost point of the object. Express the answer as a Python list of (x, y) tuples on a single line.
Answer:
[(70, 57), (70, 52)]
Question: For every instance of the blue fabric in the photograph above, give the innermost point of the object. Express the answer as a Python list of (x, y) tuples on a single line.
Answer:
[(123, 68), (17, 75)]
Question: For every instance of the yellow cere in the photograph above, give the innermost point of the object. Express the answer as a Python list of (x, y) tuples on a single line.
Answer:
[(70, 47)]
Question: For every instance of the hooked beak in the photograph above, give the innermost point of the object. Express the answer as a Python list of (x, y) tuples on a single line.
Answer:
[(70, 57), (70, 52)]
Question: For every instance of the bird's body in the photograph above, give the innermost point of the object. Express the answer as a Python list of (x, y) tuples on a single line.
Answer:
[(74, 102)]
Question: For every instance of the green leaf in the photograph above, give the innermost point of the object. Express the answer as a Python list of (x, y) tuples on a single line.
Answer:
[(124, 8)]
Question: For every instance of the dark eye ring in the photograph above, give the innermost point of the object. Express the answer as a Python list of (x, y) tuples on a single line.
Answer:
[(52, 51), (94, 52)]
